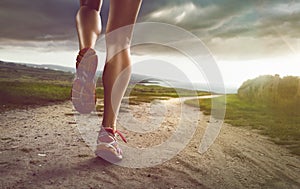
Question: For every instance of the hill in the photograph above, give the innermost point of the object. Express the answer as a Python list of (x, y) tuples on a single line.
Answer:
[(23, 72), (52, 67)]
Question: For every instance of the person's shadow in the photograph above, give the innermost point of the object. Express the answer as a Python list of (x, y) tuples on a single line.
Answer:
[(64, 171)]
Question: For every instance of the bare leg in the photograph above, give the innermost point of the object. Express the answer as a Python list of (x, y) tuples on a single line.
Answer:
[(121, 13), (89, 27), (88, 23)]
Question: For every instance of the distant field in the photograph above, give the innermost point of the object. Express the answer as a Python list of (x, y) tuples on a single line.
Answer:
[(22, 85), (148, 93), (23, 73)]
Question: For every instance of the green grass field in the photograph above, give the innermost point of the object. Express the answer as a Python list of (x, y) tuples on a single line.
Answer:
[(22, 85), (142, 93), (281, 125), (32, 93)]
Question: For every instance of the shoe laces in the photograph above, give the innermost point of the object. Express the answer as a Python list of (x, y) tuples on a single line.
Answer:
[(114, 132)]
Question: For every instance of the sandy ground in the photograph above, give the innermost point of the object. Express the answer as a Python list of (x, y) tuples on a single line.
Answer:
[(50, 147)]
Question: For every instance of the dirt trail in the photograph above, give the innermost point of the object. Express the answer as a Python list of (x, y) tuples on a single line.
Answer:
[(43, 148)]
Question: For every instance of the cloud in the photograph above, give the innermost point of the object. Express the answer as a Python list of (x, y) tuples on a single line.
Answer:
[(51, 24), (227, 19), (284, 19), (37, 20), (236, 28)]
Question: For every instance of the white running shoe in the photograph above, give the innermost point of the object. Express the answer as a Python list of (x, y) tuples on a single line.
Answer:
[(84, 84)]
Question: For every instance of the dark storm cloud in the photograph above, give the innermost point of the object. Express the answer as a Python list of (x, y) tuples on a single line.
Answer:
[(46, 21), (37, 19), (279, 19), (42, 20), (231, 18)]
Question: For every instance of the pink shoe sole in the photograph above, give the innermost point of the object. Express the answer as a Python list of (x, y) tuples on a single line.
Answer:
[(107, 154), (107, 145), (84, 85)]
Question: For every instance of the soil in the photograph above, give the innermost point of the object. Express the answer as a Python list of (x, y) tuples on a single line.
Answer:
[(48, 147)]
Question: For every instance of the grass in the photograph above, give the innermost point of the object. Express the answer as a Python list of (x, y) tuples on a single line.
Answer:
[(22, 85), (23, 73), (281, 125), (147, 93), (142, 94), (16, 93)]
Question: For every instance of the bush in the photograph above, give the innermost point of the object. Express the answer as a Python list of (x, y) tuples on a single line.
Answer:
[(273, 91)]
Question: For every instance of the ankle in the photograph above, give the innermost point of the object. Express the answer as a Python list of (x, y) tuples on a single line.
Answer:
[(109, 126)]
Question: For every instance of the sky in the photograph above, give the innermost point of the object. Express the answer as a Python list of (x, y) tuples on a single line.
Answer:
[(245, 38)]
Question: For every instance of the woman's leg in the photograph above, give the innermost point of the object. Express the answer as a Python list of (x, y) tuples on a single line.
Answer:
[(89, 28), (122, 16), (88, 23)]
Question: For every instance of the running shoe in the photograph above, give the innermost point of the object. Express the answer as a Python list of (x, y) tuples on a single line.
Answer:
[(84, 84), (107, 145)]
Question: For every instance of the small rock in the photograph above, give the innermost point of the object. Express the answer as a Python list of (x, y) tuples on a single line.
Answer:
[(42, 155)]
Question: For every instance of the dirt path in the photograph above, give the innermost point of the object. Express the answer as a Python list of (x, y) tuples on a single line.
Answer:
[(44, 148)]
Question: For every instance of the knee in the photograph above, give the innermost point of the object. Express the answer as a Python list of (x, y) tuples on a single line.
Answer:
[(118, 40)]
